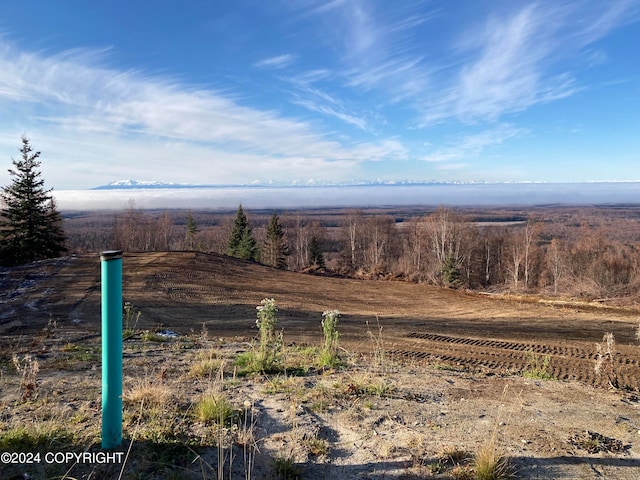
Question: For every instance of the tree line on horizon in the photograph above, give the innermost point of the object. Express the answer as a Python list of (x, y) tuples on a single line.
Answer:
[(443, 247), (136, 231)]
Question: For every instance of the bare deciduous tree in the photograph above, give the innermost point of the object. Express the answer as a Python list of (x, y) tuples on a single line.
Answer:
[(163, 233), (354, 223), (446, 234), (555, 262), (378, 230)]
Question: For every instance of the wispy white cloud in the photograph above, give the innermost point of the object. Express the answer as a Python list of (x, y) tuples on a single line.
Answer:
[(385, 55), (279, 61), (470, 147), (305, 94), (364, 82), (375, 53), (507, 59), (118, 122), (376, 45), (326, 109), (515, 61), (599, 19)]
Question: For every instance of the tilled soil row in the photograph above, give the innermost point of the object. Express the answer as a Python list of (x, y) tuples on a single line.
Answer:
[(565, 362)]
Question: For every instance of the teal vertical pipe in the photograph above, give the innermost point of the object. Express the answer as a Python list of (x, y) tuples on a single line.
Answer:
[(111, 266)]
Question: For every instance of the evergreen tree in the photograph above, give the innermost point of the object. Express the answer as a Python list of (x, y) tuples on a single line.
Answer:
[(190, 235), (451, 272), (316, 259), (241, 242), (275, 249), (30, 224)]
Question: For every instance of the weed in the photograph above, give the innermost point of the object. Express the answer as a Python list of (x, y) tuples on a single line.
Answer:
[(365, 384), (267, 358), (251, 362), (377, 347), (537, 366), (130, 319), (444, 367), (282, 384), (463, 472), (36, 437), (28, 367), (490, 464), (149, 336), (71, 347), (316, 446), (246, 438), (146, 392), (271, 343), (299, 360), (605, 363), (206, 365), (436, 467), (594, 442), (453, 455), (214, 407), (247, 361), (286, 469), (204, 334), (329, 352), (49, 331), (319, 398), (87, 354)]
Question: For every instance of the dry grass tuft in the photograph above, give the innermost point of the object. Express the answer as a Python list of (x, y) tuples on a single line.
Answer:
[(144, 391), (28, 367), (364, 383), (207, 363), (489, 461), (490, 464), (453, 455), (214, 407)]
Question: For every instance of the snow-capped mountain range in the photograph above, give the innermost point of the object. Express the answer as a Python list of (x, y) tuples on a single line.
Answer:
[(152, 184), (152, 194)]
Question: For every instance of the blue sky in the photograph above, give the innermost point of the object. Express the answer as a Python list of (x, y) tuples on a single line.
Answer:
[(221, 92)]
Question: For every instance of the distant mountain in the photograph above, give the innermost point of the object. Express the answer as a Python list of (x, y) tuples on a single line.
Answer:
[(174, 195), (150, 184), (126, 184), (312, 183)]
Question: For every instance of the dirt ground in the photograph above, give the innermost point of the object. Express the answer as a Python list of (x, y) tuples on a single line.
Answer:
[(183, 291), (453, 375)]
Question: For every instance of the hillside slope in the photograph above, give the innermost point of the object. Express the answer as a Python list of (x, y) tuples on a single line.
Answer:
[(184, 290)]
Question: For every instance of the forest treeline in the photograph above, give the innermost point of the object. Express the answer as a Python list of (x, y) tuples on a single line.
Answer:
[(591, 254), (565, 255)]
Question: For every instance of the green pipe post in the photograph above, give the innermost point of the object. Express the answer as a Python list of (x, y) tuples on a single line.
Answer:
[(111, 266)]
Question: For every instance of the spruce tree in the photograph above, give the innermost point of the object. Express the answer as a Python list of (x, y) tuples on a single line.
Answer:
[(30, 224), (275, 249), (241, 243), (451, 272), (316, 259), (190, 235)]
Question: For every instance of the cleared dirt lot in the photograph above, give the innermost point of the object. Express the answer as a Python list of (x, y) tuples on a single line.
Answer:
[(183, 291), (451, 379)]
